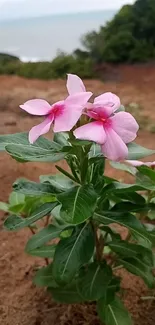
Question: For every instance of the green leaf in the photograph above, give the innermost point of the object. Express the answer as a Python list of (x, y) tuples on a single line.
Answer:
[(43, 236), (32, 203), (4, 206), (61, 138), (68, 294), (16, 199), (78, 203), (33, 189), (120, 109), (15, 223), (130, 207), (44, 277), (17, 138), (73, 252), (97, 170), (113, 287), (151, 214), (95, 151), (138, 267), (43, 251), (17, 209), (136, 152), (81, 143), (60, 182), (114, 313), (42, 150), (129, 169), (125, 188), (93, 281), (124, 219), (148, 172), (12, 222), (146, 177), (125, 249), (133, 197)]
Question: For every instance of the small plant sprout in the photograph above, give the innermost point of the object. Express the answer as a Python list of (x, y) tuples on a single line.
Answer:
[(72, 215)]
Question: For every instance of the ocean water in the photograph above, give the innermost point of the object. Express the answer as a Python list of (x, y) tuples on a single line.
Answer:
[(42, 38)]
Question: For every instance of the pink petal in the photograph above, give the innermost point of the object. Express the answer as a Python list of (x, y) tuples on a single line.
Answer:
[(74, 84), (78, 99), (137, 163), (114, 148), (125, 126), (109, 103), (68, 118), (93, 131), (73, 108), (36, 107), (40, 129)]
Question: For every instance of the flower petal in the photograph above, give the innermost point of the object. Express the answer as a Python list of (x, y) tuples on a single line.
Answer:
[(125, 126), (68, 118), (114, 148), (109, 101), (40, 129), (137, 163), (93, 131), (36, 107), (78, 99), (74, 84)]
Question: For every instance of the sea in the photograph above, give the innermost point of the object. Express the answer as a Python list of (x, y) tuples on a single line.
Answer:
[(42, 38)]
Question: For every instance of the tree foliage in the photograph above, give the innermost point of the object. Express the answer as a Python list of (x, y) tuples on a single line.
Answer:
[(128, 37)]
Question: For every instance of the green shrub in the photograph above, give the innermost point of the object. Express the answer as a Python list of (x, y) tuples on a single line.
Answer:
[(128, 37), (57, 68)]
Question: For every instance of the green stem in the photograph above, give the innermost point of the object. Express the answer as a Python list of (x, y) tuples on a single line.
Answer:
[(66, 173), (72, 166), (99, 243)]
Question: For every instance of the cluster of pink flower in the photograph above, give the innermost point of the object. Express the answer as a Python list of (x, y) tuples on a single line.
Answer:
[(107, 127)]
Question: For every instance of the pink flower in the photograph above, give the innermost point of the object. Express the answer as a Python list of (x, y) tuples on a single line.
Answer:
[(137, 163), (63, 114), (109, 129)]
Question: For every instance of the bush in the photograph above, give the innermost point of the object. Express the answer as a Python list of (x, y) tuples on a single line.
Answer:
[(128, 37), (7, 58), (50, 70)]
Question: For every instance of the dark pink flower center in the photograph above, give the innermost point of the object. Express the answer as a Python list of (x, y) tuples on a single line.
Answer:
[(101, 117), (57, 110)]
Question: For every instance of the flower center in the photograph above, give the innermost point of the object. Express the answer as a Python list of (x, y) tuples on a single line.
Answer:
[(99, 117), (57, 109)]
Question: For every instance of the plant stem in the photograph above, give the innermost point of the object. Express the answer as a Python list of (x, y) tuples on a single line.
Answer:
[(32, 231), (66, 173), (47, 221), (128, 236), (99, 243), (46, 261)]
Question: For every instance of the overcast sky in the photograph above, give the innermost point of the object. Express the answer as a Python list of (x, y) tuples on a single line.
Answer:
[(21, 8)]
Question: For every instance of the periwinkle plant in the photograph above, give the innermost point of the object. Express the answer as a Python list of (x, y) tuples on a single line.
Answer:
[(80, 205)]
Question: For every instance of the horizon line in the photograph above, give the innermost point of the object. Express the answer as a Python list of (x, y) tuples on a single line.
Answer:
[(6, 20)]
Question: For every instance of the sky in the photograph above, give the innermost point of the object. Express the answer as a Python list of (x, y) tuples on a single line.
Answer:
[(29, 8)]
